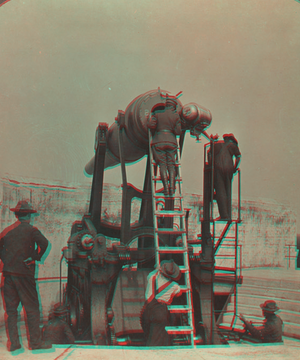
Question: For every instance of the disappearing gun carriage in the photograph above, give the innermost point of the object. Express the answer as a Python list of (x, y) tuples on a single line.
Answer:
[(108, 264)]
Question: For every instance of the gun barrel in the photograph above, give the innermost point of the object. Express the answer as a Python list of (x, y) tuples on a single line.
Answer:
[(135, 136)]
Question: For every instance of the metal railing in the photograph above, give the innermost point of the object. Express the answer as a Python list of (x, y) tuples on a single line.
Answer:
[(291, 249)]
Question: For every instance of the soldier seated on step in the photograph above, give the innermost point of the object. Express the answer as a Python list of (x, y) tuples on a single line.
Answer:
[(57, 331), (272, 328), (161, 289)]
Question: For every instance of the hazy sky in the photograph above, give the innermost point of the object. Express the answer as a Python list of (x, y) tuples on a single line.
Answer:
[(67, 65)]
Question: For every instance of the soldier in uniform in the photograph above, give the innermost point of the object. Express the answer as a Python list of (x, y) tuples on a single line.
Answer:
[(223, 172), (21, 245), (166, 124), (161, 289), (271, 330), (57, 331)]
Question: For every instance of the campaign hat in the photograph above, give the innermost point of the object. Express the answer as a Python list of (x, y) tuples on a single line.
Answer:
[(23, 207), (269, 306), (170, 269), (230, 137)]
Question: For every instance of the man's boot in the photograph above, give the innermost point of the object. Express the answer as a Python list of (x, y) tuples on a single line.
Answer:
[(164, 179), (172, 182)]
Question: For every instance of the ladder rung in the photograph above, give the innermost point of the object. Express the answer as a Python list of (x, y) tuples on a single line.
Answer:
[(179, 308), (169, 231), (158, 178), (183, 268), (154, 163), (179, 329), (169, 213), (172, 249), (162, 196), (194, 241), (230, 241), (184, 288)]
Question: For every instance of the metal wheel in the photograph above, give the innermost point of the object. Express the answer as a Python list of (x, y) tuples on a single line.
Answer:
[(99, 323)]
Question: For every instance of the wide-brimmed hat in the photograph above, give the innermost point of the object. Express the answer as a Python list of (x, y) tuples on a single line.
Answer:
[(23, 207), (230, 137), (170, 269), (60, 310), (269, 306)]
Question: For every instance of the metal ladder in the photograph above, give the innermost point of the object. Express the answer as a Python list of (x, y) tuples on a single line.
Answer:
[(175, 213)]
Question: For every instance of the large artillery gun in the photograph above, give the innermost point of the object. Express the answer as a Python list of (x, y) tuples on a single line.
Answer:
[(108, 264)]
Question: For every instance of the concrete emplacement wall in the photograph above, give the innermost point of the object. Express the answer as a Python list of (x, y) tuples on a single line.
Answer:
[(266, 230)]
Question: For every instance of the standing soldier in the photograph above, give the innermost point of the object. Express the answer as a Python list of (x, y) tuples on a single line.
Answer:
[(223, 172), (21, 245), (167, 124)]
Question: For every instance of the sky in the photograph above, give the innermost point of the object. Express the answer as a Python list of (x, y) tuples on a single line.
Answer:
[(67, 65)]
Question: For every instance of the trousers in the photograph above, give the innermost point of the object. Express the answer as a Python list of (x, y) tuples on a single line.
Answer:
[(164, 156), (154, 318), (22, 289), (223, 181)]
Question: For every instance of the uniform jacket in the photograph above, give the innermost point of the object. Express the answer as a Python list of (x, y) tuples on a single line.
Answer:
[(161, 288), (224, 151), (166, 124), (269, 332), (19, 242)]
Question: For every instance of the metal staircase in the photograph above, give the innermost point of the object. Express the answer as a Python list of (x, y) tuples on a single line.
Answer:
[(170, 238)]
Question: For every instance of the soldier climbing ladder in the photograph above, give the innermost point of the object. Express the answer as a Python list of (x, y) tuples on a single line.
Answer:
[(167, 210)]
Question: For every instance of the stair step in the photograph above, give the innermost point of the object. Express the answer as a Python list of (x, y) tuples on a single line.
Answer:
[(179, 329), (270, 291), (257, 320), (227, 325), (285, 304), (154, 163), (162, 196), (169, 231), (158, 178), (179, 308), (220, 270), (171, 250), (290, 328), (286, 315), (272, 283), (169, 213)]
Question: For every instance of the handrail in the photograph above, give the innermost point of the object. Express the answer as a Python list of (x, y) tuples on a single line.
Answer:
[(288, 254)]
